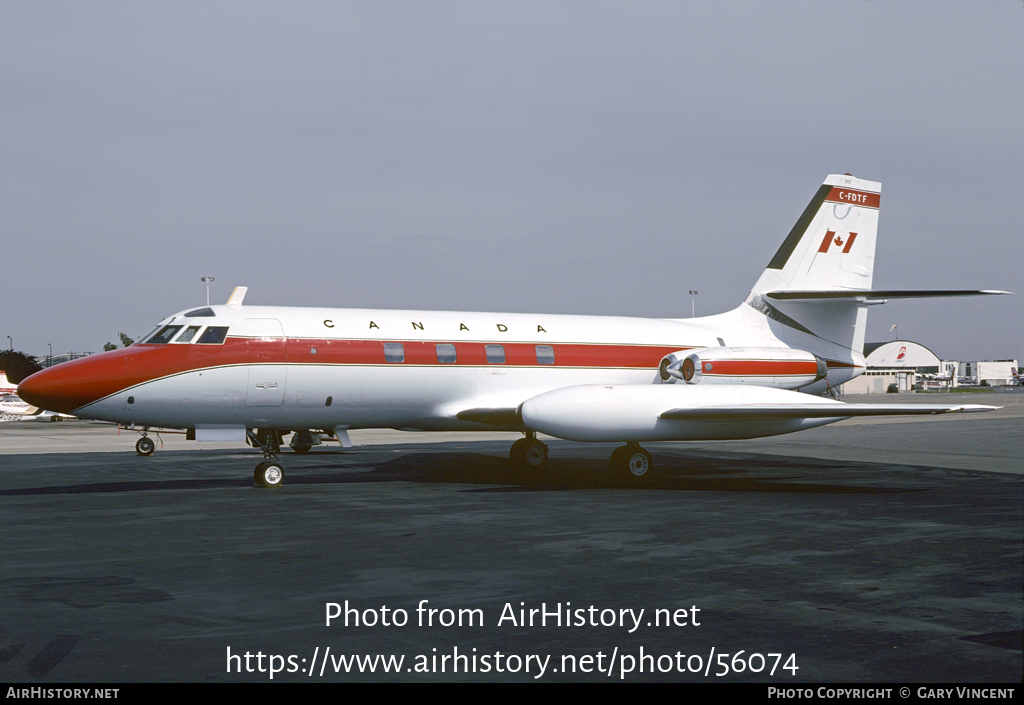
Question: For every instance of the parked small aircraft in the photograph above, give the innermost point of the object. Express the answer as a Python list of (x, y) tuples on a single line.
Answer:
[(235, 372), (14, 409)]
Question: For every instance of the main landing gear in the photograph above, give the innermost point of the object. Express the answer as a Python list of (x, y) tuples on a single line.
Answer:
[(528, 453), (269, 473), (631, 460)]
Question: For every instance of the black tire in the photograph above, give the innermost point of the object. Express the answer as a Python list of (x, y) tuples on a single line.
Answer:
[(631, 461), (535, 455), (145, 446), (527, 454), (517, 452), (638, 462), (269, 474), (617, 463), (302, 441)]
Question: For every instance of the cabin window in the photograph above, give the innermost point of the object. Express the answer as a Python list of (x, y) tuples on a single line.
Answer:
[(495, 354), (394, 352), (188, 334), (214, 335), (445, 353), (545, 355), (165, 334)]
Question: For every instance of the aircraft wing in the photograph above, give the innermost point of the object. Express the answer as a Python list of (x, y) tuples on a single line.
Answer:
[(814, 411)]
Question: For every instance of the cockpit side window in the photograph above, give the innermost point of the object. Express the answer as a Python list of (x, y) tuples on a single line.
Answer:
[(165, 334), (214, 335)]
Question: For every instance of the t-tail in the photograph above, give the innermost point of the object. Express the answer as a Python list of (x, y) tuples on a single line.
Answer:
[(816, 289)]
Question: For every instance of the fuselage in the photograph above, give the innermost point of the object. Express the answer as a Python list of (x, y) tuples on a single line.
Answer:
[(293, 368)]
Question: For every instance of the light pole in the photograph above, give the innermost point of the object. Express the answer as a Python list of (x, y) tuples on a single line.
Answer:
[(49, 358), (11, 340), (693, 306), (207, 281)]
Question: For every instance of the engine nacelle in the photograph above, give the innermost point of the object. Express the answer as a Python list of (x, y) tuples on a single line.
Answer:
[(632, 412), (783, 368)]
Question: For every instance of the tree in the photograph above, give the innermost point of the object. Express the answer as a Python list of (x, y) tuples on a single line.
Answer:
[(17, 365), (125, 342)]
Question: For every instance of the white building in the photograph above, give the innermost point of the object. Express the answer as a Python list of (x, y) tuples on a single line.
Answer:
[(993, 373), (900, 362)]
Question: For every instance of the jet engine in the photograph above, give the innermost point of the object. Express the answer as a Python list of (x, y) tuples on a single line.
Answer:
[(783, 368)]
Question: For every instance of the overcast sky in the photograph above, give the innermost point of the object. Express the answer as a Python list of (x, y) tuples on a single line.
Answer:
[(568, 157)]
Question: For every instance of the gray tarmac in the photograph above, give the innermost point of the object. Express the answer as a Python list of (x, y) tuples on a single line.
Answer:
[(865, 551)]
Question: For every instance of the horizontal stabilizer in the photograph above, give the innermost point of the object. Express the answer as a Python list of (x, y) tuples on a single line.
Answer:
[(814, 411), (873, 295)]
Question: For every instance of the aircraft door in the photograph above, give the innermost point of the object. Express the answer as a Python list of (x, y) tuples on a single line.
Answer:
[(268, 372)]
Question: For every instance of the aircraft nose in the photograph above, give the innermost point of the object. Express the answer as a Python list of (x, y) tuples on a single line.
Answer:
[(72, 385)]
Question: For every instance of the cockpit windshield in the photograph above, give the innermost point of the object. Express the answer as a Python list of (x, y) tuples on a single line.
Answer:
[(144, 338), (164, 335), (194, 334), (187, 335)]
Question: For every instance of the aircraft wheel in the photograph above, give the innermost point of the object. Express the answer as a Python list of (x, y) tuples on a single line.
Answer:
[(145, 446), (527, 454), (535, 454), (638, 462), (617, 463), (302, 441), (631, 461), (517, 452), (269, 474)]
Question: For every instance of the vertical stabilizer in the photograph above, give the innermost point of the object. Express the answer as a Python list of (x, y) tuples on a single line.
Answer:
[(831, 248), (832, 245)]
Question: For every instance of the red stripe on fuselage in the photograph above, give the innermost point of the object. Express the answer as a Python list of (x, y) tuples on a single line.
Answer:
[(759, 368), (74, 384)]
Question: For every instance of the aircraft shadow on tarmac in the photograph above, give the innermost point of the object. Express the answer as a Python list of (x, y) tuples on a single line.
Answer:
[(677, 472)]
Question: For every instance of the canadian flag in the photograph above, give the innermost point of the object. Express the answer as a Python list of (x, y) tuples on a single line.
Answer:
[(832, 239)]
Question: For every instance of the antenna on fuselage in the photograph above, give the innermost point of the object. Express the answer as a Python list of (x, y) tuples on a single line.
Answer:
[(237, 295)]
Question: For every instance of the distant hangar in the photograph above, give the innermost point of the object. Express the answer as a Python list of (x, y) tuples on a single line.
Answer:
[(906, 363)]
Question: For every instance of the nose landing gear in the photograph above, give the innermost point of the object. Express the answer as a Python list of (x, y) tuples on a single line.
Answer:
[(145, 445), (269, 473)]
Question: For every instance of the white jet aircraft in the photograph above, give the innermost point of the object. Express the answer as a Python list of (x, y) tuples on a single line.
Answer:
[(949, 376), (6, 386), (14, 409), (234, 372)]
